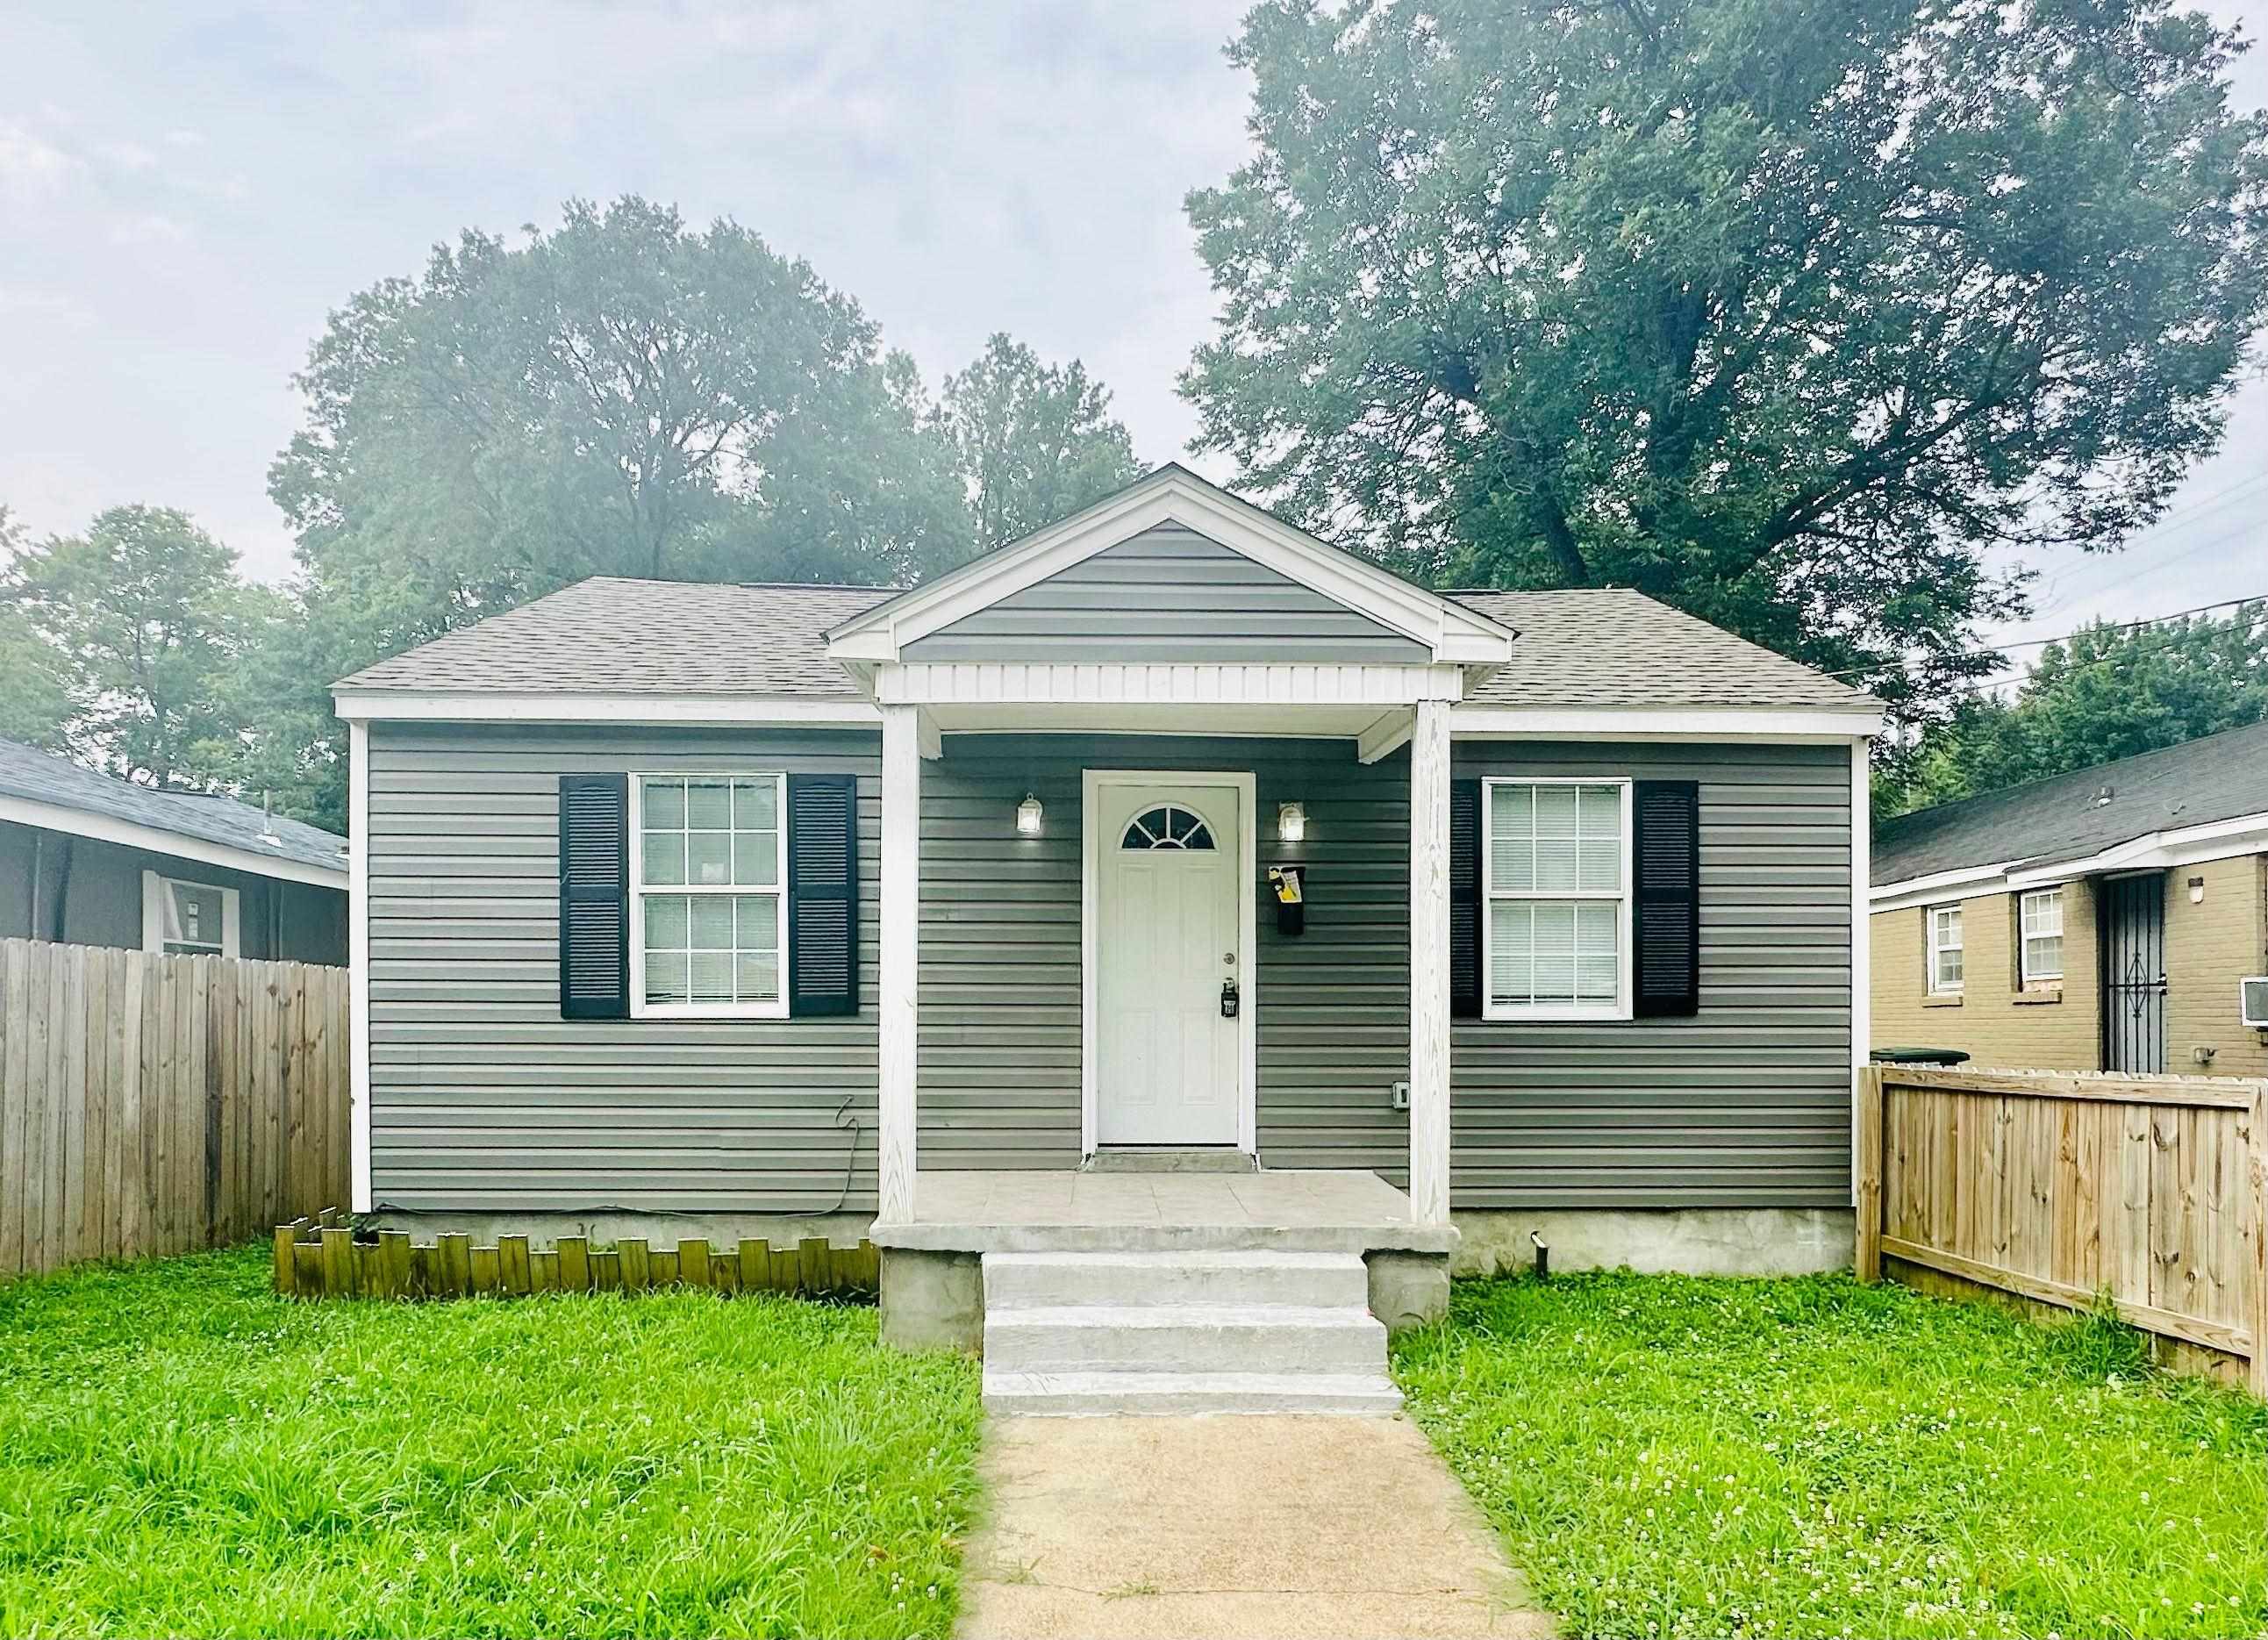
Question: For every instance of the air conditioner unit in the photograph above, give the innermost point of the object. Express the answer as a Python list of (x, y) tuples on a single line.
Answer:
[(2252, 1000)]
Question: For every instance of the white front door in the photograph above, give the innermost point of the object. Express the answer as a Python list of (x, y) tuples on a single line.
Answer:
[(1165, 1055)]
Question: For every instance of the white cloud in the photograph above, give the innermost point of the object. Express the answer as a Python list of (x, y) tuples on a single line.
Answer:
[(30, 167), (127, 156), (148, 228)]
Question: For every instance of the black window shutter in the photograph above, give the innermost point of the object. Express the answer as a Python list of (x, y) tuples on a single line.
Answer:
[(1465, 899), (594, 857), (822, 894), (1666, 905)]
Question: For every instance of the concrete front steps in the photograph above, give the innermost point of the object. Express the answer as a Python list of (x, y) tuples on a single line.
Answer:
[(1173, 1331)]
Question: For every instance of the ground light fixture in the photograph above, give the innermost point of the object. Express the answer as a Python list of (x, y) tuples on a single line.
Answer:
[(1027, 817), (1291, 823)]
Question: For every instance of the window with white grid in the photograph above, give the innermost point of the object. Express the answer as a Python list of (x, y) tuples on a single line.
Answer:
[(2039, 920), (1556, 875), (1945, 975), (709, 870)]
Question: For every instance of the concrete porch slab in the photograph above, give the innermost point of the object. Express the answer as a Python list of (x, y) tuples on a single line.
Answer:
[(1066, 1211)]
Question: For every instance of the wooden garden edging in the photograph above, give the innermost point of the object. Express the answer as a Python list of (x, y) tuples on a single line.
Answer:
[(2056, 1187), (320, 1258)]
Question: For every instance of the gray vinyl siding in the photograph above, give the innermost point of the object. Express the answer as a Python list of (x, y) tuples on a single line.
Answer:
[(1168, 594), (483, 1096), (1746, 1102)]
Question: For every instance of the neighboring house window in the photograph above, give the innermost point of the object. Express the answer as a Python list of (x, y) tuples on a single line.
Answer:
[(709, 916), (185, 919), (1945, 950), (1555, 875), (2039, 919)]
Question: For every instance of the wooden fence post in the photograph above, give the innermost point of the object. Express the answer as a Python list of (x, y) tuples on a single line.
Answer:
[(1867, 1262), (2253, 1206)]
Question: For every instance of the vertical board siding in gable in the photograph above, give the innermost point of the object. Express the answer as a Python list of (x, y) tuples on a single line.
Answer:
[(482, 1096), (1168, 594)]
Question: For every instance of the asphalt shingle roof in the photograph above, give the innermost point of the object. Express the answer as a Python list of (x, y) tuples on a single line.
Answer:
[(2068, 816), (612, 636), (42, 777), (1595, 646), (1608, 647)]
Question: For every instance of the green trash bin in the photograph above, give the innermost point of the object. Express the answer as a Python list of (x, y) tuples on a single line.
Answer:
[(1918, 1056)]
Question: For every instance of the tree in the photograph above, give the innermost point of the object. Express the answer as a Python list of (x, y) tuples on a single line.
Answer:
[(144, 619), (623, 395), (1034, 442), (33, 706), (1782, 310), (2112, 691)]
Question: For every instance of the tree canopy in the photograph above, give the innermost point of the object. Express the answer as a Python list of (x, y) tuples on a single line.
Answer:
[(138, 623), (1034, 441), (621, 395), (1784, 311), (2108, 692)]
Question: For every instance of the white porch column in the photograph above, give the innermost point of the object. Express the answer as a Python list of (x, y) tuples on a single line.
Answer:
[(901, 952), (1429, 965)]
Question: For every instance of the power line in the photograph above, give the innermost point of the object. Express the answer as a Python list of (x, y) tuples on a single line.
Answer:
[(2064, 638)]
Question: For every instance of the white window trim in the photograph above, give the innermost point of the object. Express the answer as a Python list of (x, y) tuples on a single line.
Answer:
[(640, 1009), (1932, 947), (1490, 1008), (156, 887), (2024, 974)]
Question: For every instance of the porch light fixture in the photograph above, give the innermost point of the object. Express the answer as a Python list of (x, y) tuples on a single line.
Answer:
[(1027, 817), (1291, 823)]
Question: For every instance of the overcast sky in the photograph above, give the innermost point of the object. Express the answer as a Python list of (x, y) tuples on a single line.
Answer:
[(187, 190)]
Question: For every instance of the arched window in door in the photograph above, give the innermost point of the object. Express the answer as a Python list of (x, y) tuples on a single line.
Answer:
[(1168, 825)]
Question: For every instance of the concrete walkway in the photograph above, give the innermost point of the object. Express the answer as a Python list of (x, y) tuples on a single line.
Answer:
[(1192, 1528)]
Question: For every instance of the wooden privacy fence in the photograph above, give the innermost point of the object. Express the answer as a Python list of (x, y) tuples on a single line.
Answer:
[(2056, 1187), (154, 1104), (318, 1258)]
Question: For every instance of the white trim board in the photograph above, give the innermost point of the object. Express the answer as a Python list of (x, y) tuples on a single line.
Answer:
[(473, 706), (155, 840), (1289, 685), (1862, 938), (358, 1091), (2152, 851), (1777, 725), (1246, 784), (1173, 495)]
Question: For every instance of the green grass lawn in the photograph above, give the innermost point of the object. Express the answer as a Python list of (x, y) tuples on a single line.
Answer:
[(1668, 1456), (181, 1453)]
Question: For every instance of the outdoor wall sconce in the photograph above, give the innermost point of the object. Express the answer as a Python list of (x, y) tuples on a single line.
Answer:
[(1027, 817), (2196, 890), (1291, 823)]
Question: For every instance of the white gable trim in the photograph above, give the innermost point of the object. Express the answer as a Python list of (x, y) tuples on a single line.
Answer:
[(2154, 851), (1456, 635), (473, 706)]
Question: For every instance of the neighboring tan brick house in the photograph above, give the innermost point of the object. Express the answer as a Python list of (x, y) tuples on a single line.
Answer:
[(2100, 921)]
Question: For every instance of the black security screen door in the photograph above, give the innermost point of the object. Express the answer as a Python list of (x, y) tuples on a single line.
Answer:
[(2134, 974)]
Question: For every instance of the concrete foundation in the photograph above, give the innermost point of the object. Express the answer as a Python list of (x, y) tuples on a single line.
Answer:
[(605, 1227), (1408, 1289), (933, 1300), (1690, 1241)]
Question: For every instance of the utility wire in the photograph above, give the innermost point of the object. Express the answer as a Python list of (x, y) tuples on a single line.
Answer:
[(2064, 638)]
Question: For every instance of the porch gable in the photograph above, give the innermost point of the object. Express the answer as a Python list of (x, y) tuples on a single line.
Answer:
[(1168, 594)]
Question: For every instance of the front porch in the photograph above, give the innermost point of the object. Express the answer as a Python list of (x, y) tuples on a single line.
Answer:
[(1157, 1237), (1070, 1210)]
